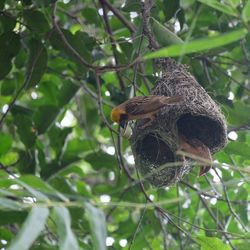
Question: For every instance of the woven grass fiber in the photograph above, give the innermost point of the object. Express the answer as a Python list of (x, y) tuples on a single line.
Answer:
[(198, 116)]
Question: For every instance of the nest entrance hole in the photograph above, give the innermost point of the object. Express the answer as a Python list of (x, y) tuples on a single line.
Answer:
[(154, 150), (200, 127)]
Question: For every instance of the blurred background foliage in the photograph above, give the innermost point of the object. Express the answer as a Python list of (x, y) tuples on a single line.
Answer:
[(63, 66)]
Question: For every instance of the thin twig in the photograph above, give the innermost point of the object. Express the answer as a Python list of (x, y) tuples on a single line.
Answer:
[(229, 202), (138, 227), (179, 216), (119, 15), (120, 157), (25, 84), (226, 74), (113, 43), (97, 69), (99, 103), (108, 214), (4, 168), (136, 67), (146, 6), (209, 195), (158, 208), (217, 222)]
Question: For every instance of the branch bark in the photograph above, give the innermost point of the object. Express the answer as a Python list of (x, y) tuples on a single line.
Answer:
[(147, 5), (119, 15), (79, 57), (113, 42)]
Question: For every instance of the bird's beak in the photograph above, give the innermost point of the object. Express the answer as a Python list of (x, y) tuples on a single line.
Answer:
[(204, 170), (123, 120), (123, 123)]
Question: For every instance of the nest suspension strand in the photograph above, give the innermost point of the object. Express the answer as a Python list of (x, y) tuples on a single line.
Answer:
[(197, 117)]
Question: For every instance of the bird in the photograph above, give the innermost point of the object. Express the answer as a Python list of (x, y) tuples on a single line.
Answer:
[(142, 107), (195, 147)]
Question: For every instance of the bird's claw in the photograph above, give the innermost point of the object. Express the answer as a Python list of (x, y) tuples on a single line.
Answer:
[(204, 170)]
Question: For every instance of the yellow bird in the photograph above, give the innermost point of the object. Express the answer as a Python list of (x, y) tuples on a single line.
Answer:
[(195, 147), (142, 107)]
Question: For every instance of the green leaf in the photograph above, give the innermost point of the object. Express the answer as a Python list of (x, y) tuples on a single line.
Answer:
[(234, 3), (5, 144), (8, 204), (58, 137), (21, 58), (246, 12), (91, 15), (26, 162), (241, 210), (44, 117), (34, 192), (43, 3), (8, 87), (36, 21), (170, 8), (186, 3), (238, 148), (8, 23), (18, 109), (51, 169), (217, 5), (42, 186), (198, 45), (9, 158), (67, 91), (80, 42), (10, 46), (25, 129), (26, 2), (5, 67), (10, 217), (242, 245), (211, 243), (163, 35), (31, 228), (2, 4), (37, 62), (67, 239), (132, 5), (239, 114), (75, 148), (101, 160), (97, 223)]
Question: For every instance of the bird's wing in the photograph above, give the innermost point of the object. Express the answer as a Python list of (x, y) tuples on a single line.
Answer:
[(144, 104), (139, 105), (147, 104)]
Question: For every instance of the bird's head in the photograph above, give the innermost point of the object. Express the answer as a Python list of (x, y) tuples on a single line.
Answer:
[(119, 116)]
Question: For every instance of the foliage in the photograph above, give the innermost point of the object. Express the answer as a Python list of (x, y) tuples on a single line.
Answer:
[(63, 66)]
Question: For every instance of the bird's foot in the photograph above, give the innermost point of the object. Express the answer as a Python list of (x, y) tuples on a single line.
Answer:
[(204, 170)]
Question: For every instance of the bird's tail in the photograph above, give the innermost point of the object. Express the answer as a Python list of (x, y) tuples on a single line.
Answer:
[(173, 99)]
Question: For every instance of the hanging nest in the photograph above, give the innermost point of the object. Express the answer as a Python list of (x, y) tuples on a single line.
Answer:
[(198, 116)]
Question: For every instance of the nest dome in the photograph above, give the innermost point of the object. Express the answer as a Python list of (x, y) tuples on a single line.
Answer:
[(198, 116)]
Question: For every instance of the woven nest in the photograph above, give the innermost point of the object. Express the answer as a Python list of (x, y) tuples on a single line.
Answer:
[(198, 116)]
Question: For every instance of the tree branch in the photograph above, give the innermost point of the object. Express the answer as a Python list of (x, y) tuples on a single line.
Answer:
[(113, 43), (147, 5), (229, 202), (119, 15), (217, 222), (97, 69)]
